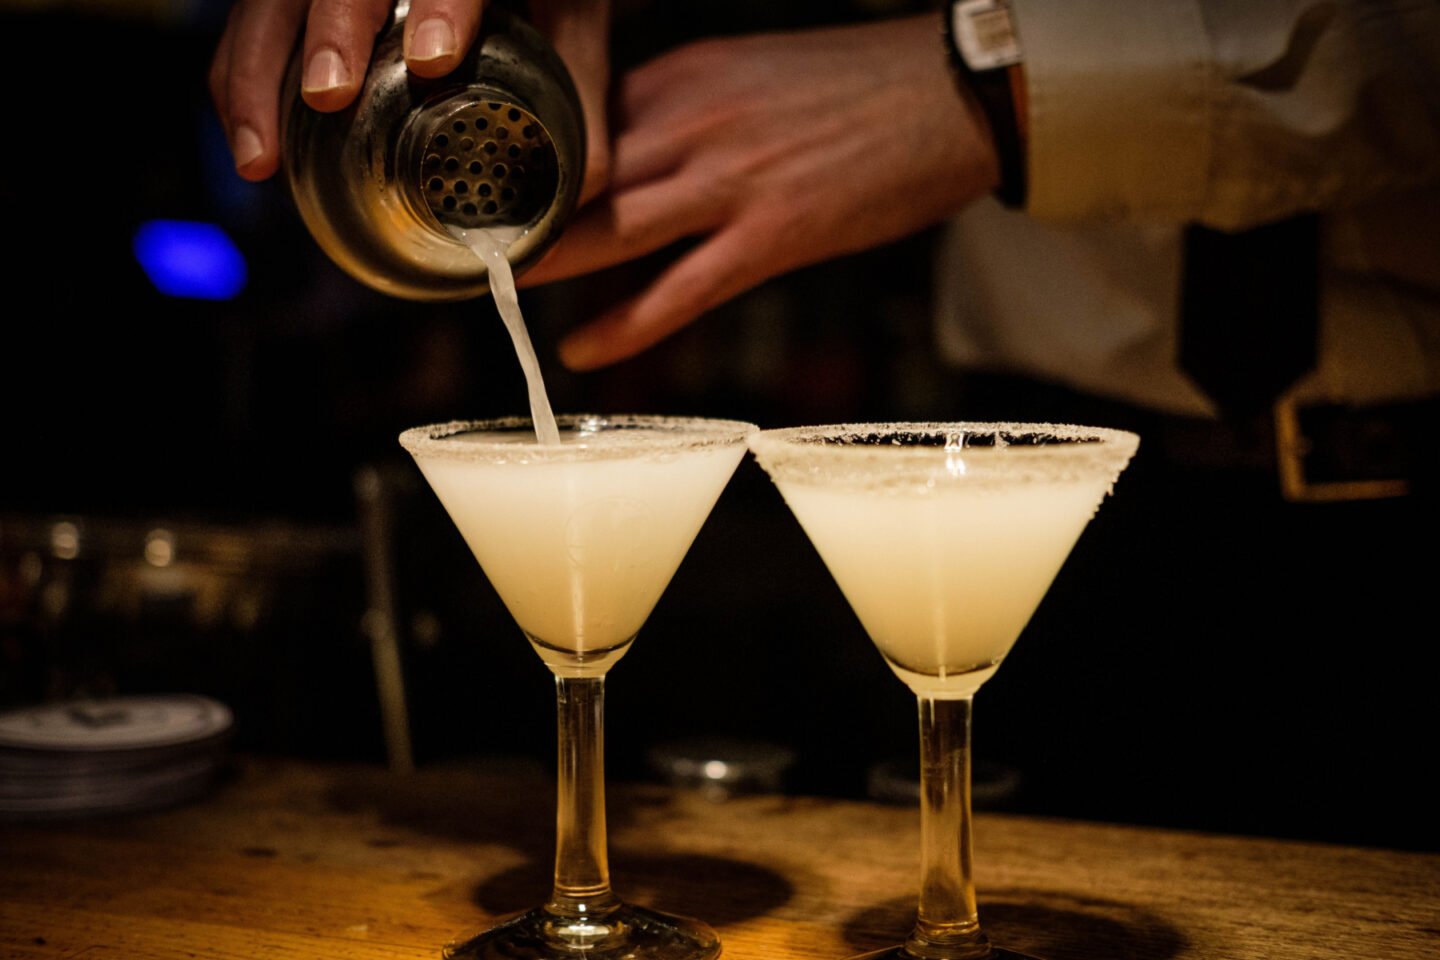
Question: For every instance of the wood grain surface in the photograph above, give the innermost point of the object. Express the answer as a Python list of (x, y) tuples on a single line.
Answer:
[(294, 861)]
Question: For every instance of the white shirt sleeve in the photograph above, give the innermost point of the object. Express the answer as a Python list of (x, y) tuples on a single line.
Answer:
[(1227, 112)]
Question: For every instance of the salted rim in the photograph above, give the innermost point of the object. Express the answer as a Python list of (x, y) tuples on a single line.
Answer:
[(819, 448), (654, 434)]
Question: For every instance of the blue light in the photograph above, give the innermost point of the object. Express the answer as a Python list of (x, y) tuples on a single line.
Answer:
[(187, 259)]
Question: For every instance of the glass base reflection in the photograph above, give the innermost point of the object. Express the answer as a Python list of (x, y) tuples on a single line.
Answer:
[(623, 932)]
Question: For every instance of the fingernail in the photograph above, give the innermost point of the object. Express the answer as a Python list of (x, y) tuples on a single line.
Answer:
[(248, 145), (433, 40), (325, 71)]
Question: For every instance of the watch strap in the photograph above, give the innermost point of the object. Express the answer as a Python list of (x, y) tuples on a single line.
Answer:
[(985, 54)]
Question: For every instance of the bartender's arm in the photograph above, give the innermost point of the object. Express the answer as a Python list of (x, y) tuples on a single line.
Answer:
[(773, 151), (778, 151)]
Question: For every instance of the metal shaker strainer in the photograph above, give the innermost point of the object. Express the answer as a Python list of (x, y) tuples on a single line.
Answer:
[(500, 141)]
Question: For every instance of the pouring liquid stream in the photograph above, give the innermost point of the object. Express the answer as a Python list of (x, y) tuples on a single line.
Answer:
[(491, 245)]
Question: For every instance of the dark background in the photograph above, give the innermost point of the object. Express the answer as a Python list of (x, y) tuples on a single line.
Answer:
[(1209, 657)]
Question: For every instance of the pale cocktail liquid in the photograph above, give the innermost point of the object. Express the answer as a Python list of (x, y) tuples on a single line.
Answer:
[(944, 578), (580, 547), (492, 246)]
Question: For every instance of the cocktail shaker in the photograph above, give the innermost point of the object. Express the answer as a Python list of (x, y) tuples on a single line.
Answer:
[(499, 142)]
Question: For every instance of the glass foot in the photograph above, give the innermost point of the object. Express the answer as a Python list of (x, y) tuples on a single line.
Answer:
[(978, 952), (632, 933)]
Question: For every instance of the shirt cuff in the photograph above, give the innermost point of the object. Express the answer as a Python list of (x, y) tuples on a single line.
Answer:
[(1118, 108)]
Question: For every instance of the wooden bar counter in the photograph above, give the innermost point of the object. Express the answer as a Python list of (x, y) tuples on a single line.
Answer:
[(294, 861)]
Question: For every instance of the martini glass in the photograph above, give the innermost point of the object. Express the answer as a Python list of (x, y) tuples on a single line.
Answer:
[(944, 537), (580, 539)]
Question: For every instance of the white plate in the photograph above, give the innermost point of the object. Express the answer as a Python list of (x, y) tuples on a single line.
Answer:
[(117, 723)]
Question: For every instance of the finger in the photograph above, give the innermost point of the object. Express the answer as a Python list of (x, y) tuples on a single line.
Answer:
[(643, 87), (722, 268), (580, 32), (339, 35), (437, 34), (220, 71), (655, 135), (257, 44), (625, 226), (646, 154)]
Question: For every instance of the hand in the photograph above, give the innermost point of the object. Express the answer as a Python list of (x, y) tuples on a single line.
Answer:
[(250, 61), (779, 151)]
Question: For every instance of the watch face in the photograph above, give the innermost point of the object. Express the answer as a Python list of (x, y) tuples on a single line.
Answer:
[(983, 32)]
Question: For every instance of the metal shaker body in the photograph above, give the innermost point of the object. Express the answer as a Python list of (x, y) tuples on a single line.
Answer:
[(500, 141)]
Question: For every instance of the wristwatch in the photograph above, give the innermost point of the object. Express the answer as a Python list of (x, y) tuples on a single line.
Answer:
[(985, 53)]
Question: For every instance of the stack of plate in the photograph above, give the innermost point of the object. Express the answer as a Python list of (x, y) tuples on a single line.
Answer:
[(88, 757)]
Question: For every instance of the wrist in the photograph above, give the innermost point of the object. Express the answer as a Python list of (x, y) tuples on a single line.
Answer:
[(986, 59)]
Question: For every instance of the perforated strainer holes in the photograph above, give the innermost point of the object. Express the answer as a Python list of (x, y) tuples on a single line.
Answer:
[(464, 184)]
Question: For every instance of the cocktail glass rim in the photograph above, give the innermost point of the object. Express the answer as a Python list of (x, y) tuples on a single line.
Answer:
[(1064, 446), (654, 434)]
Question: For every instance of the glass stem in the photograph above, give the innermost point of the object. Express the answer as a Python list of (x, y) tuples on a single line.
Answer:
[(947, 926), (582, 870)]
